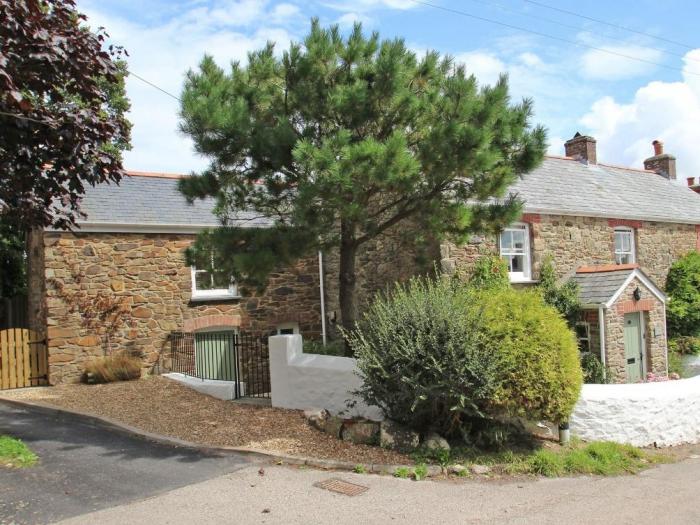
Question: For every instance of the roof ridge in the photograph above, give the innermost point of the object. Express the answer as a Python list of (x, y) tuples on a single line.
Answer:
[(603, 268), (160, 175), (604, 164)]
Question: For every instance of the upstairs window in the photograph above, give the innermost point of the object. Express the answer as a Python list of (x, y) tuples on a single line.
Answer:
[(211, 284), (624, 246), (515, 250)]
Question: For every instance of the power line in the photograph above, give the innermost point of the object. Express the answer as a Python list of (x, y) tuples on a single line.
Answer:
[(552, 37), (604, 22), (577, 28), (153, 85)]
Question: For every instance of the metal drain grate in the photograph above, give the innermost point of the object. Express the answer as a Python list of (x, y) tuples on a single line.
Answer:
[(341, 487)]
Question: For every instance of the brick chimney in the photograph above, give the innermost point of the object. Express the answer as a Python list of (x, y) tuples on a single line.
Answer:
[(662, 163), (692, 185), (581, 148)]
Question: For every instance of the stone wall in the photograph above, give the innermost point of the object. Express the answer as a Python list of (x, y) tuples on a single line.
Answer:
[(654, 330), (147, 272), (582, 241)]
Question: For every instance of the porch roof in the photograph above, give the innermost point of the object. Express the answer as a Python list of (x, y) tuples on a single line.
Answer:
[(600, 286)]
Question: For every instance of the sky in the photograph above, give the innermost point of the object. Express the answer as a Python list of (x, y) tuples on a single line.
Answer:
[(577, 79)]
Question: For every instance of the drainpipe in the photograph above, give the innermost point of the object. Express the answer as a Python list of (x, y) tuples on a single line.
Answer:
[(323, 300), (601, 325)]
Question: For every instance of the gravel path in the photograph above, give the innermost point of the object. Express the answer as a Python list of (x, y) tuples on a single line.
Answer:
[(162, 406)]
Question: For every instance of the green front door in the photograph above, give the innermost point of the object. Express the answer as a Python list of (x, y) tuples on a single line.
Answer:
[(214, 355), (633, 347)]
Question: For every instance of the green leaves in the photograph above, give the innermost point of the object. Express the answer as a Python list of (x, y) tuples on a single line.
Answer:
[(683, 288)]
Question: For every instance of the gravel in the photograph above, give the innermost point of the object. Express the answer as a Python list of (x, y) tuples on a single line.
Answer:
[(162, 406)]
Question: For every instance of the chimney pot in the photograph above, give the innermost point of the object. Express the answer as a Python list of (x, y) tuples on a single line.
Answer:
[(581, 148), (691, 181), (662, 163), (658, 147)]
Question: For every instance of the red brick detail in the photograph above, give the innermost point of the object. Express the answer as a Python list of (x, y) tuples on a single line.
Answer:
[(531, 218), (626, 307), (210, 321), (614, 223), (607, 268), (697, 237)]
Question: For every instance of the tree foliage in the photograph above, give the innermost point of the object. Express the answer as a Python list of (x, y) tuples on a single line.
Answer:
[(339, 139), (62, 108), (683, 288), (442, 355), (562, 296), (13, 279)]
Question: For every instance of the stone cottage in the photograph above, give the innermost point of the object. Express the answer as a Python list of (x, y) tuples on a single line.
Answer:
[(614, 230)]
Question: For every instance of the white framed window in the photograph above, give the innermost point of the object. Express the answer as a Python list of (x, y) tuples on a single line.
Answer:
[(514, 243), (287, 328), (583, 336), (210, 284), (624, 246)]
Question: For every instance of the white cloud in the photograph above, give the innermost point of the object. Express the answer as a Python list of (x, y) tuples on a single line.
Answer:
[(608, 66), (347, 20), (162, 53), (668, 111), (485, 66), (369, 5)]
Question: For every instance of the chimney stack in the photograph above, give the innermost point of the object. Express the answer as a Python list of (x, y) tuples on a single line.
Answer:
[(692, 185), (662, 163), (581, 148)]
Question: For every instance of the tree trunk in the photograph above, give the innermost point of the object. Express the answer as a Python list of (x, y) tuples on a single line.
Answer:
[(346, 292)]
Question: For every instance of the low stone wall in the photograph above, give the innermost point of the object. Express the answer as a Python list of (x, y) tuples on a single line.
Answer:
[(302, 381), (642, 414)]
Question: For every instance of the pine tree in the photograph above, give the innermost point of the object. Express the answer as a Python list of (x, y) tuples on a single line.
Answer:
[(341, 138)]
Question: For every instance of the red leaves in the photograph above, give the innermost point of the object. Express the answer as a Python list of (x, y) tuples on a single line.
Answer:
[(56, 134)]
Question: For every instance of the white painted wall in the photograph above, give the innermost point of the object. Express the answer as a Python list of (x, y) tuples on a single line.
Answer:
[(304, 381), (665, 413)]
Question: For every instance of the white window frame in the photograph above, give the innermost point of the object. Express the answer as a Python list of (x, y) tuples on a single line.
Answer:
[(586, 338), (633, 248), (525, 275), (217, 293)]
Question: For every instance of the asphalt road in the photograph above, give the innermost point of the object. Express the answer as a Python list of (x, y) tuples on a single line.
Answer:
[(85, 466)]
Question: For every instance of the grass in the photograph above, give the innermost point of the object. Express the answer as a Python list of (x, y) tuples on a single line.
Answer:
[(15, 454), (602, 458)]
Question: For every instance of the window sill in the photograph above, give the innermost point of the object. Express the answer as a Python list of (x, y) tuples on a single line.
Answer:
[(214, 297), (524, 281)]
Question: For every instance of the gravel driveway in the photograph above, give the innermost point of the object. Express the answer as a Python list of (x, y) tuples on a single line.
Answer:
[(85, 466)]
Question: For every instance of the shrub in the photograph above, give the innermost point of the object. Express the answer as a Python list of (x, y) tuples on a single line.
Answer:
[(490, 272), (564, 297), (593, 369), (120, 366), (436, 354), (683, 288), (685, 345), (335, 347), (675, 364)]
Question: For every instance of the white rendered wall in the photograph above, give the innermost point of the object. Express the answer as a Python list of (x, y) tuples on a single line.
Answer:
[(666, 413), (304, 381)]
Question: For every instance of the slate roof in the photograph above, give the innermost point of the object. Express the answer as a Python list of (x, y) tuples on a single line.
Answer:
[(596, 288), (560, 186), (563, 186), (150, 200)]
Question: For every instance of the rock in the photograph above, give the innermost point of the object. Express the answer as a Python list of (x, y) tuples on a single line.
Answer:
[(360, 432), (333, 426), (434, 441), (456, 469), (480, 470), (317, 418), (396, 436)]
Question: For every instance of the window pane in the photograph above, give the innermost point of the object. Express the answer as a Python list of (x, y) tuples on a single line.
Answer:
[(506, 241), (203, 280), (518, 241), (220, 280)]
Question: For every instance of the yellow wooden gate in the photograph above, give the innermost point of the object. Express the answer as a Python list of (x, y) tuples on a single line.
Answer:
[(23, 359)]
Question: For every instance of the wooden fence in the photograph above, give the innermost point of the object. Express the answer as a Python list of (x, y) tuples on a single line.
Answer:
[(23, 359)]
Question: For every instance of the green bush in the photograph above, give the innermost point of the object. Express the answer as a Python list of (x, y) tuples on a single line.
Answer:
[(437, 354), (675, 363), (335, 347), (685, 345), (564, 297), (683, 288), (490, 272), (593, 369)]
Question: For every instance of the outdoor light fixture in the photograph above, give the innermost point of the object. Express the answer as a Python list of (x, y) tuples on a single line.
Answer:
[(637, 294)]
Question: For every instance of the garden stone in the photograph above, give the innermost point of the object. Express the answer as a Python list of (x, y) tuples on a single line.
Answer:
[(434, 441), (456, 469), (396, 436), (317, 418), (360, 432), (480, 470), (333, 425)]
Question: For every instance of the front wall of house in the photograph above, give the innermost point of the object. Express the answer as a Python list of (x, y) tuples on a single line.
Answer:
[(654, 328), (582, 241), (149, 272)]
